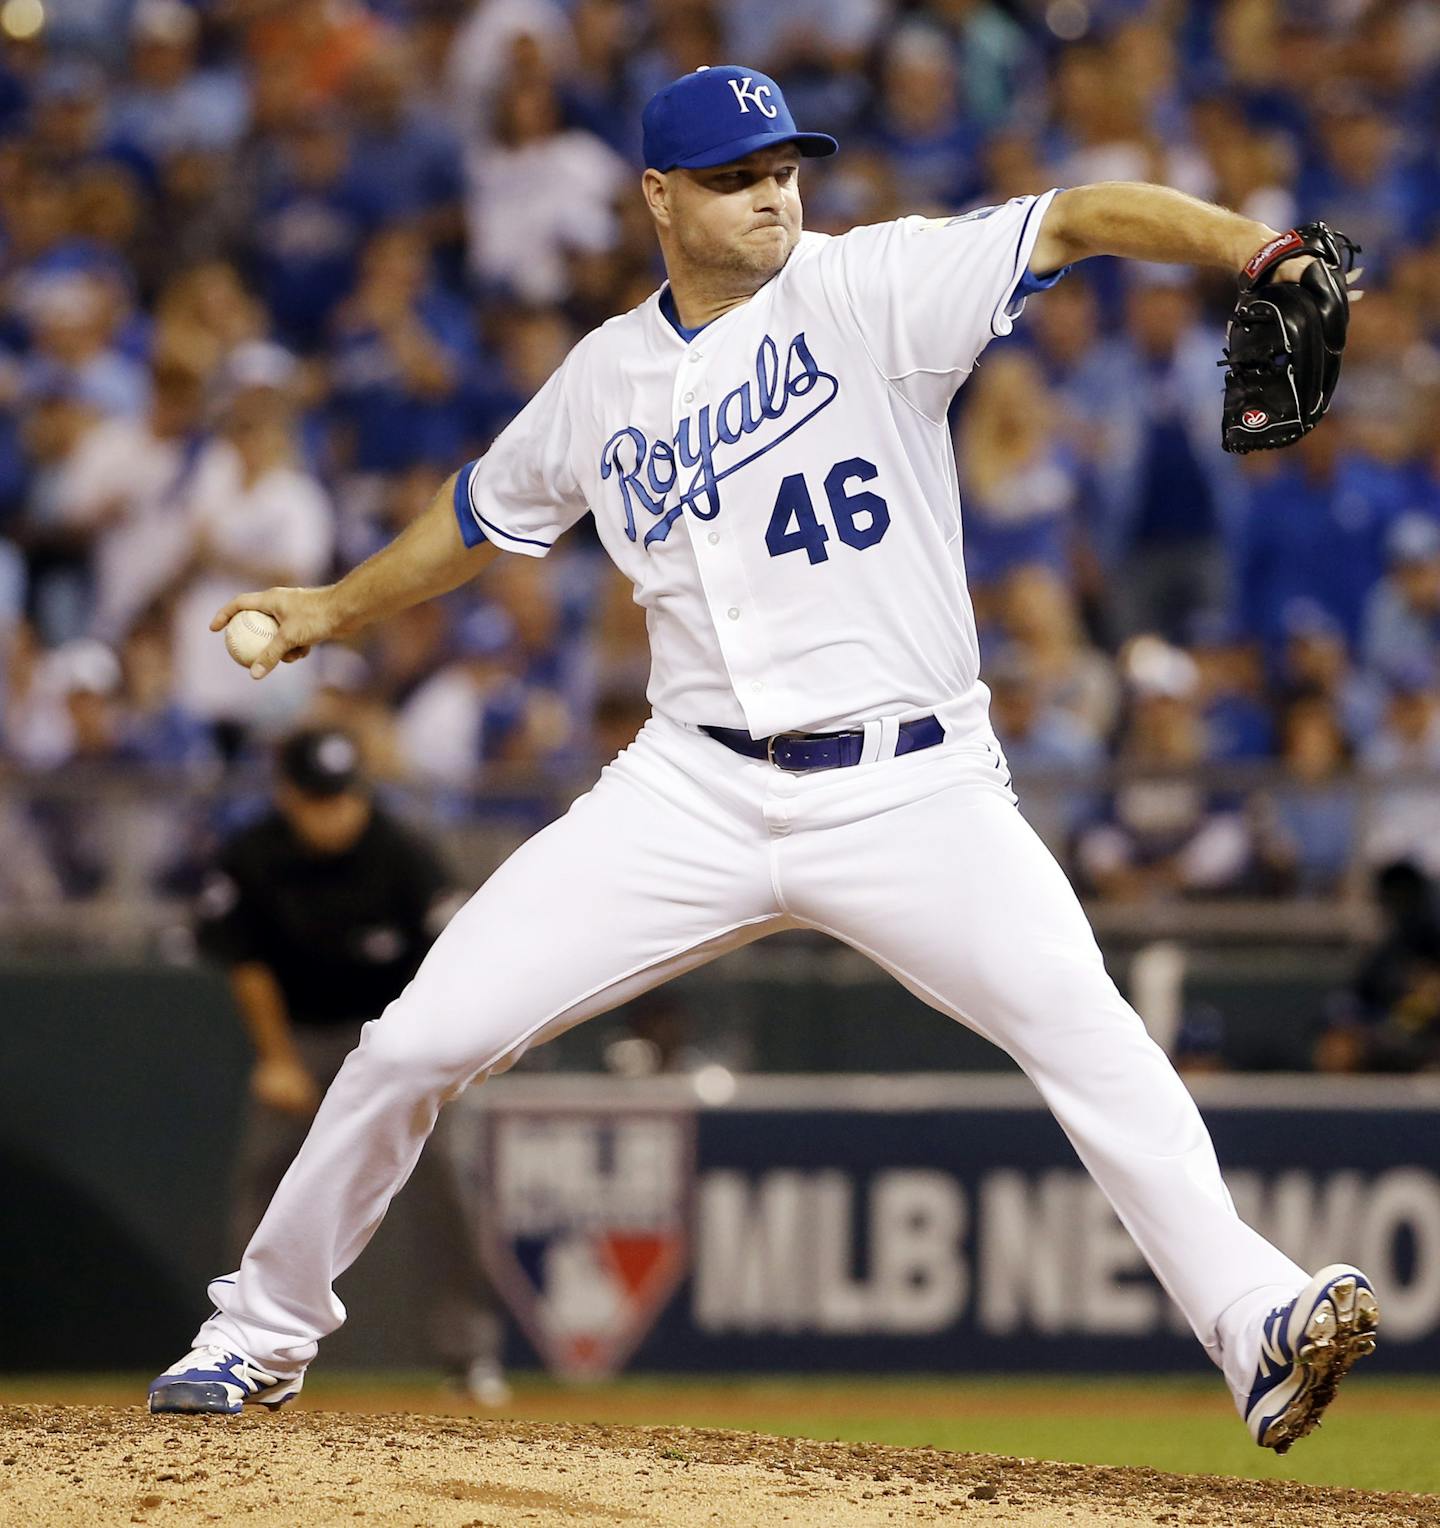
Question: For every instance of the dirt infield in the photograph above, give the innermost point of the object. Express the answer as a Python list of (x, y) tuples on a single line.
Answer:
[(96, 1466)]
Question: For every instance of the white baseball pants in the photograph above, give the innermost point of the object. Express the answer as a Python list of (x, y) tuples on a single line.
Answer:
[(684, 850)]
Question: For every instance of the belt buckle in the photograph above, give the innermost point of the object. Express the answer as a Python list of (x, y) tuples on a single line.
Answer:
[(780, 737)]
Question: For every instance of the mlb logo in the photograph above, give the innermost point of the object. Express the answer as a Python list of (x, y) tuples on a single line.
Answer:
[(587, 1231)]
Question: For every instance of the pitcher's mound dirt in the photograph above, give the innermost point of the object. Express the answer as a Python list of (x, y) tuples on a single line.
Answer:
[(93, 1466)]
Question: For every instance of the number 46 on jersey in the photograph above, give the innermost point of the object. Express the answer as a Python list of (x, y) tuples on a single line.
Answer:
[(860, 517)]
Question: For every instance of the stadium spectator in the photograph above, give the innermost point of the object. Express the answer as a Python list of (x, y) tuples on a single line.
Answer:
[(1167, 524), (496, 37), (205, 314), (820, 45), (1019, 479), (595, 89), (1316, 661), (1039, 616), (1249, 171), (622, 642), (1309, 825), (1043, 742), (537, 191), (405, 158), (1037, 733), (1402, 614), (1356, 169), (1163, 833), (680, 38), (54, 424), (997, 61), (400, 351), (157, 728), (1404, 756), (531, 343), (920, 126), (1238, 723), (1391, 372), (169, 104), (80, 688), (256, 518), (122, 496), (41, 240), (199, 220), (1315, 523), (861, 190), (405, 652), (1142, 53), (548, 613), (472, 711), (310, 226), (67, 126), (1085, 368), (1098, 129), (32, 737), (167, 836), (74, 321)]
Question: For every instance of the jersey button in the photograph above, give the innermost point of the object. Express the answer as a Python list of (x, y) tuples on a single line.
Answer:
[(713, 538), (757, 686), (688, 398), (733, 612), (694, 356)]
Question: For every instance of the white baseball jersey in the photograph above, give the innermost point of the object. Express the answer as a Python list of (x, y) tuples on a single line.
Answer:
[(781, 489)]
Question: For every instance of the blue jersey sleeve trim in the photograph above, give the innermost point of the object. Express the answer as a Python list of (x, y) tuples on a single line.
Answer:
[(473, 525), (1008, 309), (470, 532), (1030, 283)]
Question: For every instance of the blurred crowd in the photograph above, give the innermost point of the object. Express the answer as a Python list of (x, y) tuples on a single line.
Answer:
[(271, 269)]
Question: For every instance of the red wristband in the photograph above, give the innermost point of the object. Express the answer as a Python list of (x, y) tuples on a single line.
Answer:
[(1266, 256)]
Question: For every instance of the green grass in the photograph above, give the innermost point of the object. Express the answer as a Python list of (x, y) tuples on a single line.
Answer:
[(1374, 1450), (1381, 1435)]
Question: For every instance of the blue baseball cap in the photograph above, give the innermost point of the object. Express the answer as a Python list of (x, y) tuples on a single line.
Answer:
[(716, 116)]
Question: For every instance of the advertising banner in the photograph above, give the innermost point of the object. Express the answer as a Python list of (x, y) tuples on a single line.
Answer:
[(909, 1224)]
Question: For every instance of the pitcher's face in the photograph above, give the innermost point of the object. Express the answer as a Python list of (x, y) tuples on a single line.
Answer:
[(744, 216)]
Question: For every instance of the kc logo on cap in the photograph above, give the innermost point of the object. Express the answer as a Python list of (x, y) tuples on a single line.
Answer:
[(693, 122), (745, 92)]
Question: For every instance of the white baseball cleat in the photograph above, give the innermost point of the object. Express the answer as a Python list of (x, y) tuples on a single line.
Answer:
[(484, 1383), (220, 1383), (1306, 1349)]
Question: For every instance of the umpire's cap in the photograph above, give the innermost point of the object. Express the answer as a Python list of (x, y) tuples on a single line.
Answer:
[(320, 761), (716, 116)]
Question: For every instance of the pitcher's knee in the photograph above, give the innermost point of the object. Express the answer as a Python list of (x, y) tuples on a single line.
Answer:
[(402, 1049)]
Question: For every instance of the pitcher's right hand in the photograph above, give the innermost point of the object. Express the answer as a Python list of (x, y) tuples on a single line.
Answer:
[(304, 617)]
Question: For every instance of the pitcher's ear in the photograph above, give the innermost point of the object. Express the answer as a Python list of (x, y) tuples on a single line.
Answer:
[(655, 188)]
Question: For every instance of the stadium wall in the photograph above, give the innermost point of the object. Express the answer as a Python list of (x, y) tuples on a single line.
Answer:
[(926, 1222)]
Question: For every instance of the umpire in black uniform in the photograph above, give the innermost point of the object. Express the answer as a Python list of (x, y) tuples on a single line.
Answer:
[(322, 912)]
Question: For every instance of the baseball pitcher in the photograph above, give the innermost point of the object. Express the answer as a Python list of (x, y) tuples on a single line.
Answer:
[(763, 446)]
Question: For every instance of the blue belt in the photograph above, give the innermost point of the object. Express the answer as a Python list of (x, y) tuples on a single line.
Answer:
[(800, 752)]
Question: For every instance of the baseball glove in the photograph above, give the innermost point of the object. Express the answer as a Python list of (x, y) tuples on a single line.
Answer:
[(1285, 338)]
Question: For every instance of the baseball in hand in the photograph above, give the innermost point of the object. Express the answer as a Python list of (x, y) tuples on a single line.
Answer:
[(248, 634)]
